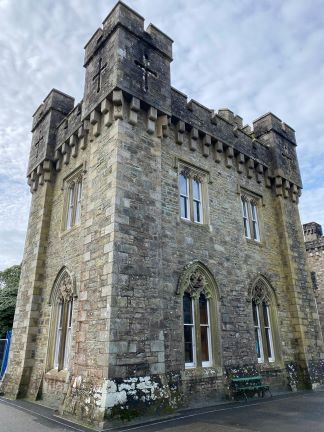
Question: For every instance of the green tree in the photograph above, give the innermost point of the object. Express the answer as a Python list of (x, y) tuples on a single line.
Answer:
[(9, 282)]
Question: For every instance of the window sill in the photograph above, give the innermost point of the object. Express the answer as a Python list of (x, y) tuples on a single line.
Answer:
[(56, 375), (70, 230), (202, 226), (254, 242)]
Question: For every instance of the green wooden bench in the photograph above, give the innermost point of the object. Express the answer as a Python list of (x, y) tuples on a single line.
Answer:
[(248, 386)]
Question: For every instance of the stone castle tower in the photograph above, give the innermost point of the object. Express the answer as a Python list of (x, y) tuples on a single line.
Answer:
[(164, 250), (314, 242)]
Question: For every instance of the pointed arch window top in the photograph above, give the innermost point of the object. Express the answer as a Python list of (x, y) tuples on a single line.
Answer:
[(64, 288), (196, 279)]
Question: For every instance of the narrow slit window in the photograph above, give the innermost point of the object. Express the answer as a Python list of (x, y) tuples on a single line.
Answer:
[(78, 203), (268, 333), (68, 334), (255, 223), (205, 337), (189, 330), (184, 196), (58, 334), (197, 204), (246, 222), (69, 223), (257, 332)]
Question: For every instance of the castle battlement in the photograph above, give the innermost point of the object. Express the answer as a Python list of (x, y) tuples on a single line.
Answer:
[(125, 79), (151, 215)]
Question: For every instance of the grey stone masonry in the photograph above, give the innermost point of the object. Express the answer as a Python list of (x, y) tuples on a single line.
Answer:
[(314, 243), (130, 256)]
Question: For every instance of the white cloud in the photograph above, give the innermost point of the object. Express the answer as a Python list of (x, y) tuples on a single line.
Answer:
[(252, 57)]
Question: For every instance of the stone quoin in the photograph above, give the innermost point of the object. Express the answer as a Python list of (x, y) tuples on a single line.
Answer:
[(164, 251)]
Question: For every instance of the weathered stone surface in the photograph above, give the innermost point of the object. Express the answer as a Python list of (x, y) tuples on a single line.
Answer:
[(130, 137)]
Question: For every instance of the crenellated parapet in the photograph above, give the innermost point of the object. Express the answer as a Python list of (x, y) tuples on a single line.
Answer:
[(127, 75)]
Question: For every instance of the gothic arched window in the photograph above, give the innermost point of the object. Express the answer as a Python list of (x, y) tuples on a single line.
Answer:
[(264, 321), (73, 201), (62, 319), (199, 303)]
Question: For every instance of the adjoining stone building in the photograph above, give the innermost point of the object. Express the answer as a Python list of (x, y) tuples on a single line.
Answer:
[(314, 242), (164, 250)]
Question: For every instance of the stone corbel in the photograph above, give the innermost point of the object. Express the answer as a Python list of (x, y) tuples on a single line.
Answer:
[(229, 157), (213, 118), (95, 118), (250, 168), (73, 142), (180, 132), (66, 152), (29, 182), (278, 184), (106, 111), (134, 108), (118, 103), (82, 135), (162, 126), (34, 181), (267, 178), (206, 145), (40, 174), (219, 148), (151, 120), (286, 187), (58, 160), (294, 193), (240, 162), (47, 171), (259, 172), (193, 139)]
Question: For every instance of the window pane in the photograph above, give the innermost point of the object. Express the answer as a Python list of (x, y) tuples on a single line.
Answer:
[(255, 223), (187, 309), (265, 314), (203, 313), (197, 212), (183, 185), (204, 343), (257, 331), (196, 190), (245, 215), (58, 334), (70, 208), (184, 207), (78, 205), (255, 314), (257, 341), (68, 335), (188, 340)]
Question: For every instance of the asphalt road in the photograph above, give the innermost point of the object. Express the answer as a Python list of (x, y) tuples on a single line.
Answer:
[(301, 412)]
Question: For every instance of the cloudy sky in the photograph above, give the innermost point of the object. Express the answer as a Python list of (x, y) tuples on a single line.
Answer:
[(252, 56)]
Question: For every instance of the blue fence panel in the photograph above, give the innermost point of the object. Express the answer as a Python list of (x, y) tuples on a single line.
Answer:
[(5, 357)]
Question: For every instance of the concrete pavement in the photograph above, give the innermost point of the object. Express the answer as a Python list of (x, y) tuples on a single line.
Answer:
[(300, 412)]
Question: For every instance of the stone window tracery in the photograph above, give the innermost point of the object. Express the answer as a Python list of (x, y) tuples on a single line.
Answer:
[(192, 190), (199, 298), (62, 319), (250, 217), (263, 321), (73, 201)]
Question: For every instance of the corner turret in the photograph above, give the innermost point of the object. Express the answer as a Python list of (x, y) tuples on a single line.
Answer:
[(281, 139), (122, 55), (48, 115), (312, 231)]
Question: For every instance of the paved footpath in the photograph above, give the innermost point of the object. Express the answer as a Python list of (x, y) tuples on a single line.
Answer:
[(301, 412)]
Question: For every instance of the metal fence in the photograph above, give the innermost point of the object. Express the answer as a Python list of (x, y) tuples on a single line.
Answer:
[(4, 353)]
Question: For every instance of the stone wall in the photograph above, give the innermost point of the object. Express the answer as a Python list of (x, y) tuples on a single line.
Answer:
[(130, 136), (314, 242)]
